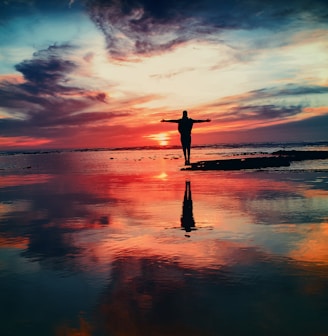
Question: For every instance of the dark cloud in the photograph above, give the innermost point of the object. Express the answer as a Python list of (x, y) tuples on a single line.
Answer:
[(259, 113), (46, 68), (140, 28), (45, 105), (147, 27), (143, 27), (101, 97), (290, 90), (253, 107), (268, 112), (310, 129)]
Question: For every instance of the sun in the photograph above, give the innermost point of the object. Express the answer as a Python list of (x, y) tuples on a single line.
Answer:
[(161, 138)]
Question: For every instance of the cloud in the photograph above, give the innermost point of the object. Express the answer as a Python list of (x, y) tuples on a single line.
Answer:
[(298, 130), (44, 105), (47, 71), (145, 27), (279, 93), (262, 112), (137, 28), (44, 108), (289, 90), (101, 97), (270, 112), (45, 75), (309, 129)]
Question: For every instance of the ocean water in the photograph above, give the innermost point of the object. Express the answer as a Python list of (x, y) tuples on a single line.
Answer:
[(122, 242)]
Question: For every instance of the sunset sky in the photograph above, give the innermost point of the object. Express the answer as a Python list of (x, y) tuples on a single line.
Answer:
[(103, 73)]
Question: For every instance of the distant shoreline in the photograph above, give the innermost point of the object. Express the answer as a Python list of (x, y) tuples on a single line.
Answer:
[(212, 146)]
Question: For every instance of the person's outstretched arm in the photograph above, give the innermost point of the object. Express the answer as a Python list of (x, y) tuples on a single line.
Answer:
[(171, 120), (201, 120)]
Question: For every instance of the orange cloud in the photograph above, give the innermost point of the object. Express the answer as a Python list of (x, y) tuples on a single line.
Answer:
[(17, 242), (84, 329), (23, 141), (12, 78), (313, 248)]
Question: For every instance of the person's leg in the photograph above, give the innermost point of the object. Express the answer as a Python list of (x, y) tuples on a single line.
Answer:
[(184, 148), (188, 149)]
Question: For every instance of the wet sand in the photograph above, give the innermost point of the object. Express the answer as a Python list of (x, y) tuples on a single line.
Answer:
[(101, 243)]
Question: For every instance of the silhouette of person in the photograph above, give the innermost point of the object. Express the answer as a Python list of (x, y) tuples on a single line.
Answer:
[(184, 128), (187, 217)]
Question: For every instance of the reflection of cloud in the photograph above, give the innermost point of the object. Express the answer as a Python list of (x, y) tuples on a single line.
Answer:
[(195, 255), (52, 216), (124, 214), (17, 242), (147, 289), (313, 248)]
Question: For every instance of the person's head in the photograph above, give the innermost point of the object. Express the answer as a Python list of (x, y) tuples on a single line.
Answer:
[(185, 114)]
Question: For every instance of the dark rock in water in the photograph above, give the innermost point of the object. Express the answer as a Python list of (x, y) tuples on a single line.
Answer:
[(237, 164), (280, 158), (295, 155)]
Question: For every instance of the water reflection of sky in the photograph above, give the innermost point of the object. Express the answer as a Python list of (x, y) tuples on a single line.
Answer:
[(110, 241)]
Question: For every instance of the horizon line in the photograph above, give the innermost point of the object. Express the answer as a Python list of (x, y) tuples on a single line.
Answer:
[(216, 145)]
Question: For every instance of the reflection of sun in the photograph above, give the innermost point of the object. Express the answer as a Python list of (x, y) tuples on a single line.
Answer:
[(161, 138), (162, 176)]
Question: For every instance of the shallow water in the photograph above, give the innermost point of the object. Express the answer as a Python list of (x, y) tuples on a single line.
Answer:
[(110, 243)]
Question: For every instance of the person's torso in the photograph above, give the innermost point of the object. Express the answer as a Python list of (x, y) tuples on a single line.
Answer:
[(185, 126)]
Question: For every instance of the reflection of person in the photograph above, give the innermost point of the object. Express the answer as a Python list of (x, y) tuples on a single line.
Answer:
[(187, 218), (184, 128)]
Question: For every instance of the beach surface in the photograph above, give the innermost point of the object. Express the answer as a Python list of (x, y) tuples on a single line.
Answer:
[(124, 242)]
